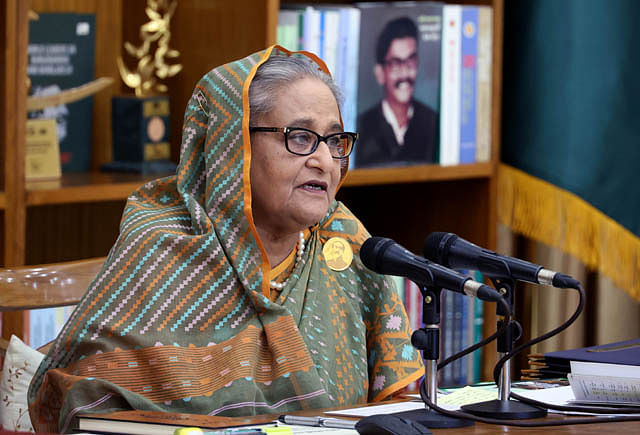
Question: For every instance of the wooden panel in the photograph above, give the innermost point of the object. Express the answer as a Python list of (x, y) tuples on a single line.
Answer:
[(13, 135), (108, 44), (7, 65), (72, 232), (408, 213), (2, 234), (207, 33)]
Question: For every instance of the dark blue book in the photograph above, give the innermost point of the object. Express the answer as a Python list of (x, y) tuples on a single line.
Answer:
[(61, 56), (623, 352)]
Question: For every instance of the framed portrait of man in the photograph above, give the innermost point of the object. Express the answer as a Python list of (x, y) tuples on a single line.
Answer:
[(398, 84)]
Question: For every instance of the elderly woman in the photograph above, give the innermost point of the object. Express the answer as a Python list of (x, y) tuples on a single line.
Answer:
[(217, 297)]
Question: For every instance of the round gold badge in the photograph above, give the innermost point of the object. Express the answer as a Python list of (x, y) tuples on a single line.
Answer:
[(337, 253)]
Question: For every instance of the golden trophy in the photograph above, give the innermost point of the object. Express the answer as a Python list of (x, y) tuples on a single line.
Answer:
[(141, 121)]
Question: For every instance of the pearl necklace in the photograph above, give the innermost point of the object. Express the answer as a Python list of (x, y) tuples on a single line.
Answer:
[(299, 254)]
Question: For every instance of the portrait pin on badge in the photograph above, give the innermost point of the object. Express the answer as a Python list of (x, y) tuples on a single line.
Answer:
[(337, 253)]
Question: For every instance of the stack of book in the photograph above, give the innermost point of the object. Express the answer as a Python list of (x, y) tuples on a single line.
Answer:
[(558, 364)]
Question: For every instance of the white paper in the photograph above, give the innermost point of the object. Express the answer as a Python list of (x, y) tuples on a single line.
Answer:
[(602, 369), (366, 411)]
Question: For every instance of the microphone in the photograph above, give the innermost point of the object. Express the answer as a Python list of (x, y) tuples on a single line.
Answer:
[(387, 257), (457, 253)]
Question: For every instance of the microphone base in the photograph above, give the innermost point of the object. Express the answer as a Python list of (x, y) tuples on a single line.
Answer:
[(504, 410), (433, 420)]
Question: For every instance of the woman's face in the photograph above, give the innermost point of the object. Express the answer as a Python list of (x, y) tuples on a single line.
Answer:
[(291, 192)]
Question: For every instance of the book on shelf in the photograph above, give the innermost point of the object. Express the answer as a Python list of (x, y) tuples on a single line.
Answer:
[(46, 323), (398, 83), (312, 31), (468, 83), (287, 32), (446, 337), (450, 86), (465, 94), (483, 96), (413, 305), (61, 56)]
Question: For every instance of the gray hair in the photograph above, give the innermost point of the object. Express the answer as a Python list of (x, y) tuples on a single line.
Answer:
[(279, 71)]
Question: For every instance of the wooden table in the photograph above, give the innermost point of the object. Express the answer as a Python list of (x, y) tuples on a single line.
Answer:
[(478, 428)]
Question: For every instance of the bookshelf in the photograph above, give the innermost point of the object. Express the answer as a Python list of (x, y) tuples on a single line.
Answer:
[(77, 216)]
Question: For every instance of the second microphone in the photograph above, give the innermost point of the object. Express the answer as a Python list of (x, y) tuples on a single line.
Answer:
[(387, 257)]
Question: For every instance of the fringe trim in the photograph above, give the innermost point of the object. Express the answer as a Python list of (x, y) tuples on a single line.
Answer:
[(558, 218)]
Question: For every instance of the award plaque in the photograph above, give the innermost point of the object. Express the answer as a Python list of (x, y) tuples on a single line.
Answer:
[(140, 135), (141, 122)]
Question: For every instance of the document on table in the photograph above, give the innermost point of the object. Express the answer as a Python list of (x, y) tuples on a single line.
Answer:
[(365, 411), (451, 401), (608, 383)]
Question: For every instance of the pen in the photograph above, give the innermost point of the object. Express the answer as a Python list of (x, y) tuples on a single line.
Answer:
[(335, 423), (198, 431)]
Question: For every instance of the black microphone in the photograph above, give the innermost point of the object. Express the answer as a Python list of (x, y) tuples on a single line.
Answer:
[(457, 253), (387, 257)]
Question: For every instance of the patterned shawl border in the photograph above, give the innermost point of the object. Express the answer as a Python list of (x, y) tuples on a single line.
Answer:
[(399, 385), (276, 405), (84, 408)]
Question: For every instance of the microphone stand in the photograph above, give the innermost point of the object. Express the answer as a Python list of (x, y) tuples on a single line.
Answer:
[(503, 408), (427, 339)]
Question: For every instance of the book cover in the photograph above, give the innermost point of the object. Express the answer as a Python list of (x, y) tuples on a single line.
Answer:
[(468, 85), (399, 283), (413, 304), (470, 340), (623, 352), (457, 337), (464, 339), (155, 422), (330, 29), (312, 31), (450, 90), (287, 31), (348, 67), (478, 323), (42, 154), (483, 114), (61, 56), (46, 323), (398, 83), (447, 336)]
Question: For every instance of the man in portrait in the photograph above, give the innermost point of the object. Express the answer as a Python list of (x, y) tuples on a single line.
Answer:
[(399, 129)]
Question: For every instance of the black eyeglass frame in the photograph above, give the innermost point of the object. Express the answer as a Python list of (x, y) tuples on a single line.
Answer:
[(319, 138)]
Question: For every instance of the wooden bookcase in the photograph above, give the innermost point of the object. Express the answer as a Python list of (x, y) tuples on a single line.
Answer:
[(77, 216)]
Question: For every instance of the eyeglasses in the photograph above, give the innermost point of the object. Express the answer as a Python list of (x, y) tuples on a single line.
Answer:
[(396, 63), (303, 142)]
